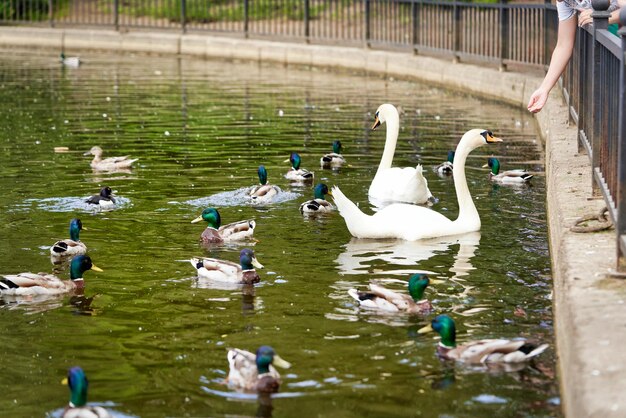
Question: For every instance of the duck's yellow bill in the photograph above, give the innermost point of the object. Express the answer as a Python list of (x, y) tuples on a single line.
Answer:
[(287, 161), (198, 219), (256, 263), (428, 328), (64, 381), (280, 362), (485, 166), (96, 268), (436, 281)]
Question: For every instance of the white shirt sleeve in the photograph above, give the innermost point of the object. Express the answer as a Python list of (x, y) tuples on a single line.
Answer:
[(565, 10)]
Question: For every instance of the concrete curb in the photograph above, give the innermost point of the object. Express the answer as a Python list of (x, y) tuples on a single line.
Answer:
[(589, 308)]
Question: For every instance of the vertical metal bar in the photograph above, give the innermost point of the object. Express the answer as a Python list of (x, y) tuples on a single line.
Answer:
[(306, 21), (116, 14), (51, 12), (456, 46), (504, 33), (414, 24), (367, 23), (246, 17), (600, 21), (621, 147), (183, 15)]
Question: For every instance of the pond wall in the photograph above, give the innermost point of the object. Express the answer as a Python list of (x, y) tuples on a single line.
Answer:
[(589, 308)]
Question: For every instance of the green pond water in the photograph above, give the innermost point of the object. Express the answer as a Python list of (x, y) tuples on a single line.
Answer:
[(153, 342)]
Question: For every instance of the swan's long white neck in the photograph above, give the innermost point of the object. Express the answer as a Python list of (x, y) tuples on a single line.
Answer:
[(468, 215), (393, 127)]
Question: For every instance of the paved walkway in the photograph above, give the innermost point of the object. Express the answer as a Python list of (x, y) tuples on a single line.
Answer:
[(589, 305)]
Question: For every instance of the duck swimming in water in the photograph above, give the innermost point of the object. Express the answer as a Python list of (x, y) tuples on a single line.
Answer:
[(296, 173), (264, 192), (108, 164), (69, 247), (105, 199), (77, 407), (255, 372), (217, 234), (227, 271), (318, 204), (333, 159)]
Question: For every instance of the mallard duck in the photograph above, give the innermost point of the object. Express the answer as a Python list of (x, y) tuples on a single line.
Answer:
[(445, 168), (47, 284), (72, 246), (518, 176), (255, 373), (105, 199), (333, 159), (296, 173), (483, 351), (319, 203), (395, 184), (227, 271), (412, 222), (264, 192), (216, 234), (108, 164), (78, 408), (384, 299), (73, 62)]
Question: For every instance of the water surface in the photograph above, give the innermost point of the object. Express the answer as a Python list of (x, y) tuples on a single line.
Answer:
[(153, 342)]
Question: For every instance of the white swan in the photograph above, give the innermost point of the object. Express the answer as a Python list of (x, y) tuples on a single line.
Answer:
[(412, 222), (395, 184)]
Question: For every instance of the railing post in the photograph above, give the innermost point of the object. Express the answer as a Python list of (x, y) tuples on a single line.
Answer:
[(504, 33), (414, 24), (367, 23), (456, 46), (116, 14), (547, 50), (246, 17), (306, 21), (600, 21), (183, 15), (51, 13), (621, 153)]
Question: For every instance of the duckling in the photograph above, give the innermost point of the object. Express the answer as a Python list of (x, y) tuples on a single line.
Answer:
[(480, 352), (108, 164), (70, 247), (265, 192), (517, 176), (384, 299), (77, 407), (47, 284), (333, 159), (105, 199), (445, 168), (296, 173), (319, 203), (73, 62), (255, 372), (227, 271), (216, 234)]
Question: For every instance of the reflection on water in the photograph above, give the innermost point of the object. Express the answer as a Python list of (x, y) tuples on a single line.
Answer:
[(399, 257), (149, 332)]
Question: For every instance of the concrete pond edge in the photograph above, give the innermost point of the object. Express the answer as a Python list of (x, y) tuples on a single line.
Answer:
[(588, 304)]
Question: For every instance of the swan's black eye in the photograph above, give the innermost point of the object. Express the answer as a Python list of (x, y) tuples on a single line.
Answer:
[(376, 114), (486, 134)]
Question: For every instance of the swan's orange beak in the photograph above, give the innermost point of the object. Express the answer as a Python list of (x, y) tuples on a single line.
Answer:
[(376, 123), (491, 139)]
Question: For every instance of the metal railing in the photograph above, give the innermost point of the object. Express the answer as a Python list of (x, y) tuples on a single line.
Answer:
[(500, 33)]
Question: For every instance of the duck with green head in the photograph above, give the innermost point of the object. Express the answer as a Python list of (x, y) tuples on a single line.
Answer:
[(26, 284), (384, 299), (517, 176), (71, 247), (487, 351), (227, 271), (445, 168), (217, 234), (77, 407), (318, 204), (264, 192), (295, 173), (333, 159), (255, 372)]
